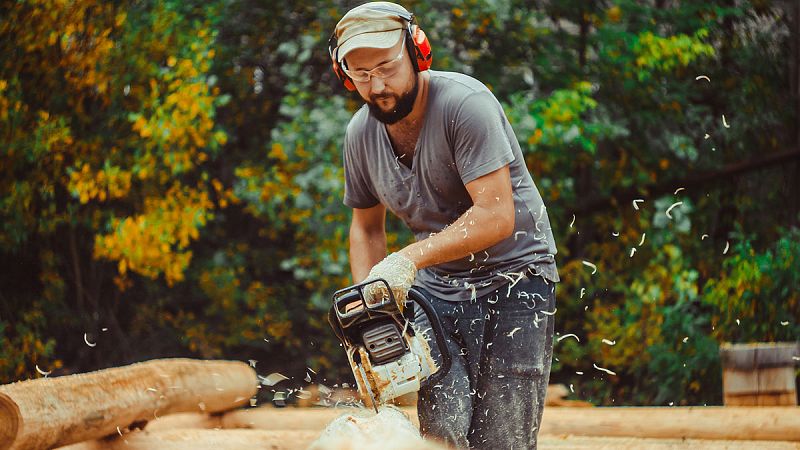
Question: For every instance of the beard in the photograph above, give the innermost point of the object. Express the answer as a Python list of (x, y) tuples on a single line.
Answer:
[(403, 104)]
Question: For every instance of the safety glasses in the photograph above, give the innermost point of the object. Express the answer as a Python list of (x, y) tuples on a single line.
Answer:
[(385, 70)]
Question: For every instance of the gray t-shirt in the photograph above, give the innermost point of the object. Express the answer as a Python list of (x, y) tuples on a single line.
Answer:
[(465, 135)]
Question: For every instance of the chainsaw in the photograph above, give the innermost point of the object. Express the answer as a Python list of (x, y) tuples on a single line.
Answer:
[(388, 355)]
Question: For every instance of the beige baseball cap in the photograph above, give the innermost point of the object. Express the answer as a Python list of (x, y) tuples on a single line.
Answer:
[(372, 25)]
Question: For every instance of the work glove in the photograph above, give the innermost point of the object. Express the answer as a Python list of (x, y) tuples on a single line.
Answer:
[(398, 271)]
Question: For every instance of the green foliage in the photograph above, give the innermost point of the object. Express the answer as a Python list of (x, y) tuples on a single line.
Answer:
[(755, 296), (21, 344)]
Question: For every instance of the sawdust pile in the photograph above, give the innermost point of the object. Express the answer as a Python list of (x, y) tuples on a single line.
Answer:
[(390, 429)]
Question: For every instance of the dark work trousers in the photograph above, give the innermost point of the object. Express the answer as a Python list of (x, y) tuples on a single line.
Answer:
[(501, 345)]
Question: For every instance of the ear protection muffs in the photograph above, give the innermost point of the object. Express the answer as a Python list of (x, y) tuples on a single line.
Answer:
[(417, 45)]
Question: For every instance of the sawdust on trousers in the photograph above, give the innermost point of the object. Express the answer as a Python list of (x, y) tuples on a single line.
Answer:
[(390, 429)]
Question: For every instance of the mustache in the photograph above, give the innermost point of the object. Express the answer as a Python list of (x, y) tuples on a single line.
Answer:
[(376, 97)]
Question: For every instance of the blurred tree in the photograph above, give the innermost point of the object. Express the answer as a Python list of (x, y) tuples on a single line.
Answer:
[(108, 121)]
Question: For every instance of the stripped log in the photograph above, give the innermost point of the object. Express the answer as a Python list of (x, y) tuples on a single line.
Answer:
[(699, 422), (199, 439), (351, 429), (712, 422), (300, 440), (53, 412)]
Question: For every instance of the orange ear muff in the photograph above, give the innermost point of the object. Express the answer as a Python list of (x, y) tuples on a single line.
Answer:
[(422, 48), (337, 69), (422, 55)]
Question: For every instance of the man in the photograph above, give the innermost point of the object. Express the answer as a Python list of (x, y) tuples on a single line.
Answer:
[(436, 149)]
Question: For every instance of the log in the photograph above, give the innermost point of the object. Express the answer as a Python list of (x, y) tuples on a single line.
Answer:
[(53, 412), (300, 440), (350, 429), (707, 422), (198, 439)]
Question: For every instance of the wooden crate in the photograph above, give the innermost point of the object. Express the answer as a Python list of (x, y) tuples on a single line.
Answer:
[(759, 374)]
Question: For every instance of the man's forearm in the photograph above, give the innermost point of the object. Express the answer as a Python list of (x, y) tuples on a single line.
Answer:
[(366, 250), (477, 229)]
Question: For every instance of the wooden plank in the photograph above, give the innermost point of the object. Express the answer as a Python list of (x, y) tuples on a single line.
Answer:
[(58, 411), (758, 355), (778, 399), (739, 381), (776, 380), (740, 399), (745, 388), (770, 380)]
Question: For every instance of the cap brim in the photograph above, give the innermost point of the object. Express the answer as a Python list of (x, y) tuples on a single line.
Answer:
[(381, 39)]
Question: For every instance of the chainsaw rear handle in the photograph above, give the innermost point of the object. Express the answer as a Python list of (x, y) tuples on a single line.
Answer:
[(438, 332)]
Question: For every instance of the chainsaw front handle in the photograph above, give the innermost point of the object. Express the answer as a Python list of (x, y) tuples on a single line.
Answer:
[(438, 333)]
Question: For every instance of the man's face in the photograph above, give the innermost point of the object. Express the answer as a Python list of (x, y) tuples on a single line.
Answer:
[(392, 98)]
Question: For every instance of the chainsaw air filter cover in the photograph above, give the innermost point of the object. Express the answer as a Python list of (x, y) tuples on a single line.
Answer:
[(383, 342)]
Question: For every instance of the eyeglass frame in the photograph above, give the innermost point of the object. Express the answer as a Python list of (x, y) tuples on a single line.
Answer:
[(369, 73)]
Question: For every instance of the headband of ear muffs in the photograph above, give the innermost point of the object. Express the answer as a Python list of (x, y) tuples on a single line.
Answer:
[(417, 44)]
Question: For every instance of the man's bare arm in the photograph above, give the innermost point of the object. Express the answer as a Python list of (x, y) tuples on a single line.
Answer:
[(367, 240), (487, 222)]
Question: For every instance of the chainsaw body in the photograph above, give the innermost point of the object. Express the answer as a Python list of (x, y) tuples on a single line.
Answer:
[(389, 357)]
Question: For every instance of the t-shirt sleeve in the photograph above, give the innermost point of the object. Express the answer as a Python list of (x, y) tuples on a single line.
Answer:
[(357, 186), (480, 143)]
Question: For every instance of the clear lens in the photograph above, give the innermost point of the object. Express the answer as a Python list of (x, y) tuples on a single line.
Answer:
[(359, 76), (383, 71)]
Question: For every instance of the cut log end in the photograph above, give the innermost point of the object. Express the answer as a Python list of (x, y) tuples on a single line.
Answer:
[(60, 411), (10, 418)]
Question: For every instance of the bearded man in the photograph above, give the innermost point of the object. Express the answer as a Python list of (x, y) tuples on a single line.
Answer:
[(436, 149)]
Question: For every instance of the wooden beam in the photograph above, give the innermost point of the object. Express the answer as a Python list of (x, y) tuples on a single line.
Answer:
[(53, 412)]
